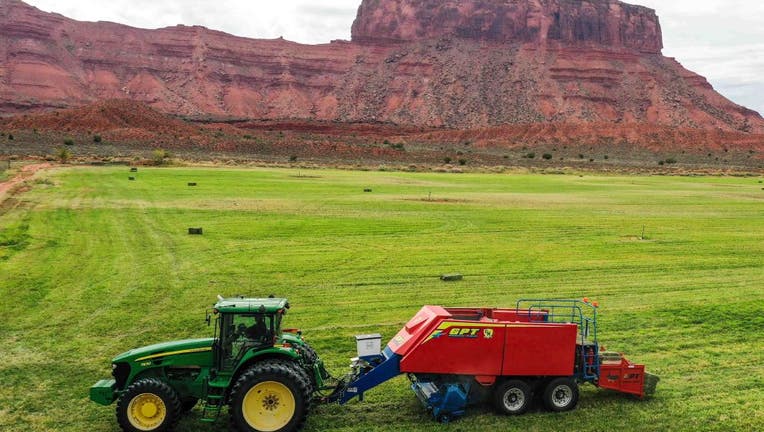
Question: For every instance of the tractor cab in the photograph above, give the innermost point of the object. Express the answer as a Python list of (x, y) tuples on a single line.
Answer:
[(243, 324)]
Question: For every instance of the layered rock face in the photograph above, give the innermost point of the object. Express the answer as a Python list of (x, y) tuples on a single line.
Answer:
[(457, 64), (605, 23)]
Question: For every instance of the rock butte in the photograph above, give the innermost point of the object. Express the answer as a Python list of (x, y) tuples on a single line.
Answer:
[(458, 64)]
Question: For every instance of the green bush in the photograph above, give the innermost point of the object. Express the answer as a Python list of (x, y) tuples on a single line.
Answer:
[(63, 154), (547, 156), (159, 157)]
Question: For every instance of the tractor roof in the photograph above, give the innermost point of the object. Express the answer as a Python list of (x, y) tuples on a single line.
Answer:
[(244, 304)]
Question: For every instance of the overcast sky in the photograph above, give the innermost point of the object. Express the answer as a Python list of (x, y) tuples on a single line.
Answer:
[(722, 40)]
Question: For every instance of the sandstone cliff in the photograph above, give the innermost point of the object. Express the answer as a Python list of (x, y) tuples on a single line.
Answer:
[(458, 64)]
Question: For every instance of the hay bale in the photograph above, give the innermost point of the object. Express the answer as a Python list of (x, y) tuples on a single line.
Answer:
[(131, 178), (192, 184), (195, 231), (367, 190), (133, 169), (451, 277)]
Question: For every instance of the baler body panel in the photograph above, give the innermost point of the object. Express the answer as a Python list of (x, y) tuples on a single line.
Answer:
[(485, 342), (458, 348), (540, 350)]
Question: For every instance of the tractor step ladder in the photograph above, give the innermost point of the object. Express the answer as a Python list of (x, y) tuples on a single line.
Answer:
[(213, 404)]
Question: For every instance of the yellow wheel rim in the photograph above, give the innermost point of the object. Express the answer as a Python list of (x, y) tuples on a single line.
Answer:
[(146, 412), (268, 406)]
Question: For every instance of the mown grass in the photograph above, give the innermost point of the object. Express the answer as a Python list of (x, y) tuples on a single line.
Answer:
[(93, 264)]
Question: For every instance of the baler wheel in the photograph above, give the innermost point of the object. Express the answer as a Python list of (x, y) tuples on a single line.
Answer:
[(148, 405), (512, 397), (561, 394), (272, 396)]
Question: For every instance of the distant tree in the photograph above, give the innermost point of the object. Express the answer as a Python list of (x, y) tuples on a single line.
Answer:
[(63, 155), (159, 157)]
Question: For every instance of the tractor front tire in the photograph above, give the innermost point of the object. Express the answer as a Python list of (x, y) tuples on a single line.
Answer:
[(148, 405), (271, 396), (561, 394), (512, 397)]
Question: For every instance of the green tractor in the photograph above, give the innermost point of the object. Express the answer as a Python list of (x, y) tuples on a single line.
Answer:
[(267, 375)]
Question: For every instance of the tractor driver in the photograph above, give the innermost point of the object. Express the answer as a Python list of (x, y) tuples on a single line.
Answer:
[(258, 330)]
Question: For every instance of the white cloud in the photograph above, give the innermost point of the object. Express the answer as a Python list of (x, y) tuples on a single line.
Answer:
[(719, 39)]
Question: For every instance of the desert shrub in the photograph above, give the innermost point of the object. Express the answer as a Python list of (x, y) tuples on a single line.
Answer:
[(547, 156), (69, 142), (530, 155), (607, 157), (447, 160), (462, 162), (63, 154), (670, 161), (661, 163), (159, 156), (293, 158), (10, 137), (97, 138), (580, 156)]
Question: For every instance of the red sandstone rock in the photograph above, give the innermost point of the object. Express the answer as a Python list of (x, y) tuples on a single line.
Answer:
[(552, 23), (465, 64)]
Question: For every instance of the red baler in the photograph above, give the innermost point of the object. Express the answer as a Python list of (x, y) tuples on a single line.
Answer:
[(455, 357)]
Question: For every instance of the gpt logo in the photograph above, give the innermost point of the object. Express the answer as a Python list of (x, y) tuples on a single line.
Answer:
[(470, 333)]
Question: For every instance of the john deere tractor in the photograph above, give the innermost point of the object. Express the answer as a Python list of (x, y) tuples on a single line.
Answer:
[(265, 374)]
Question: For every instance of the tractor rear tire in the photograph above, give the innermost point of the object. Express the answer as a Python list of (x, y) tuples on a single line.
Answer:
[(148, 405), (512, 397), (561, 394), (271, 396)]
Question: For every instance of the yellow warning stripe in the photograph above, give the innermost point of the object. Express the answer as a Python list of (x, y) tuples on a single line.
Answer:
[(188, 351), (449, 324)]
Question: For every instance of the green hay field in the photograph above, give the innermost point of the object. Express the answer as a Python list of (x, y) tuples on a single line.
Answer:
[(92, 264)]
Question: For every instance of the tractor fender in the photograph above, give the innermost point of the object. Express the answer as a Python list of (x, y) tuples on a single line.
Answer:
[(254, 357)]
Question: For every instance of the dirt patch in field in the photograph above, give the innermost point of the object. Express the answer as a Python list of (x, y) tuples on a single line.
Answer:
[(10, 187)]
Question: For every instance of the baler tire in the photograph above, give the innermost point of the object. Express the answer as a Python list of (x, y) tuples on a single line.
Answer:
[(281, 380), (561, 394), (512, 397), (160, 400)]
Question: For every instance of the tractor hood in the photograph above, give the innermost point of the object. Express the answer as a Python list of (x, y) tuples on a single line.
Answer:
[(187, 346)]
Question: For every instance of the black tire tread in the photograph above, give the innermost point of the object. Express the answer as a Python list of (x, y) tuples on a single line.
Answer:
[(271, 367), (501, 388), (548, 394), (157, 387)]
